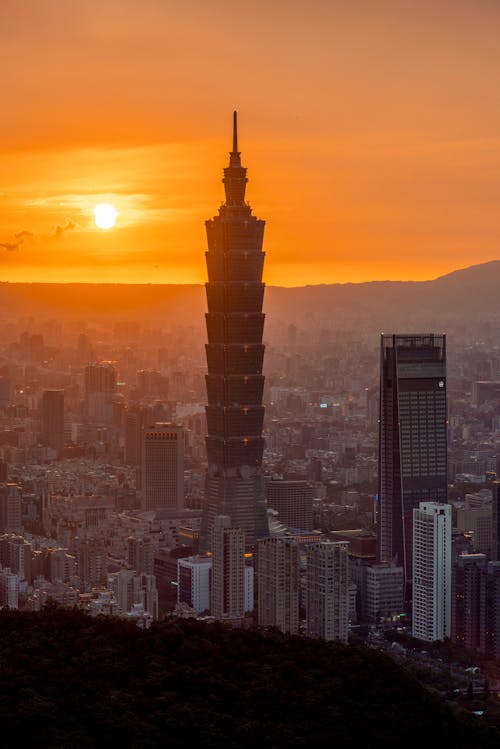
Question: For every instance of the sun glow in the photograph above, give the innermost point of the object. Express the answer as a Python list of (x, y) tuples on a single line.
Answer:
[(105, 215)]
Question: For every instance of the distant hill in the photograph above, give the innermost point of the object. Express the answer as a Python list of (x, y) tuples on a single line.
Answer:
[(468, 294), (68, 680)]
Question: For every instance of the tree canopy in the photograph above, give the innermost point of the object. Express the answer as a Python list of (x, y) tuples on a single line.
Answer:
[(67, 679)]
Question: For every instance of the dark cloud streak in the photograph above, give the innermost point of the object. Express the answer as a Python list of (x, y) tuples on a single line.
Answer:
[(60, 230), (24, 234), (11, 246), (21, 236)]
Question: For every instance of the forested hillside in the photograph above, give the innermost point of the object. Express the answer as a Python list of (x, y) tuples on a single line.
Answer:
[(67, 680)]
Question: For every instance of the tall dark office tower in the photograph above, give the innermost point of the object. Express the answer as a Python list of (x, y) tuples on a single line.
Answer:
[(234, 484), (100, 391), (52, 418), (495, 521), (293, 500), (467, 574), (413, 444), (162, 469), (490, 611)]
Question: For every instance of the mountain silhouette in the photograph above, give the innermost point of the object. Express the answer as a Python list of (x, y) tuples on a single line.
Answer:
[(468, 294)]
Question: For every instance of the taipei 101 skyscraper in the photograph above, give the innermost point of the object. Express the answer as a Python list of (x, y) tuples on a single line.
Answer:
[(235, 353)]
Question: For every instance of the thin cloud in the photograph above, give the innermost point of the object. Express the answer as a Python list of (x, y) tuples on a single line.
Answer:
[(24, 234), (21, 236), (11, 246), (60, 230)]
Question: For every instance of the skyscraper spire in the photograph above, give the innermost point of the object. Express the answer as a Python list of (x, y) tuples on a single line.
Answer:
[(235, 352), (235, 131), (235, 175), (234, 156)]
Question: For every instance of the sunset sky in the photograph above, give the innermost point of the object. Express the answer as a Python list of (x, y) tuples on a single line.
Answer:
[(370, 129)]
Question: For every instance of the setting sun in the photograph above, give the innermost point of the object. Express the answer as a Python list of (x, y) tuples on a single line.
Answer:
[(408, 187), (105, 215)]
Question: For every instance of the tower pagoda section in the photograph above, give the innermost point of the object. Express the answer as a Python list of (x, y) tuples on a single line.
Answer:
[(235, 354)]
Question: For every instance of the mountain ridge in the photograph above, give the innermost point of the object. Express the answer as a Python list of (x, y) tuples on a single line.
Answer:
[(494, 264), (466, 293)]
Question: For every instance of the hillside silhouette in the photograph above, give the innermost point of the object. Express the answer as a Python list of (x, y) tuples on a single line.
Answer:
[(69, 680), (470, 294)]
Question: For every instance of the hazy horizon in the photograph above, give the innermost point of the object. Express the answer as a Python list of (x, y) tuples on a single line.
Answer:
[(274, 285)]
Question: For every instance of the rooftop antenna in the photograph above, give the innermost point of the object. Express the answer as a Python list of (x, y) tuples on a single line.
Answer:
[(235, 131)]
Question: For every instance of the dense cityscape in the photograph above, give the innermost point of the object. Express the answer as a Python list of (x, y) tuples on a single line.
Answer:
[(249, 374), (364, 508)]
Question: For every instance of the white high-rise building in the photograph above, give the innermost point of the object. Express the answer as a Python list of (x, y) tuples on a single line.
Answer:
[(163, 467), (432, 571), (193, 582), (328, 590), (228, 570)]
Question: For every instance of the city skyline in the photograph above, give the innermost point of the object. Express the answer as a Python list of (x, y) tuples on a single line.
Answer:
[(278, 472), (373, 141)]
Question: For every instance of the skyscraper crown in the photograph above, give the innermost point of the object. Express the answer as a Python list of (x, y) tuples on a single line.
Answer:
[(235, 176)]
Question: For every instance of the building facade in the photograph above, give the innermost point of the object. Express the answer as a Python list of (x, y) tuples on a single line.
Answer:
[(489, 645), (484, 391), (9, 588), (162, 474), (382, 593), (477, 521), (234, 483), (92, 560), (52, 419), (140, 554), (495, 521), (15, 553), (228, 570), (466, 600), (130, 589), (10, 507), (193, 582), (293, 501), (431, 618), (328, 583), (412, 439), (100, 391), (279, 584)]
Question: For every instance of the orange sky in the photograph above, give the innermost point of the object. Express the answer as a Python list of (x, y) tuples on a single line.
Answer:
[(371, 131)]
